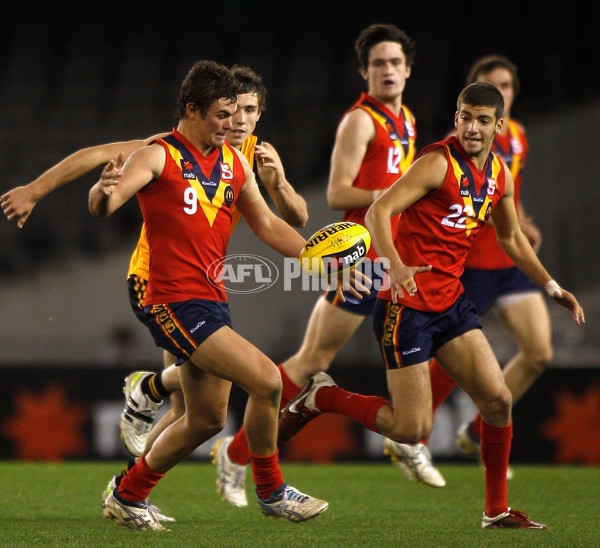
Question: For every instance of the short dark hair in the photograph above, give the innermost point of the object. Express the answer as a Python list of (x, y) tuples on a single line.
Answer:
[(250, 82), (205, 83), (482, 94), (382, 32), (485, 65)]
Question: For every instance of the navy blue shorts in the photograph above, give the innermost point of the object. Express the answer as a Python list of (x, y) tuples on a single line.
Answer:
[(407, 336), (136, 288), (182, 327), (364, 306), (485, 287)]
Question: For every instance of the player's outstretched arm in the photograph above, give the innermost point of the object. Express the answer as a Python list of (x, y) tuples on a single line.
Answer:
[(291, 205), (518, 248), (119, 182), (18, 202)]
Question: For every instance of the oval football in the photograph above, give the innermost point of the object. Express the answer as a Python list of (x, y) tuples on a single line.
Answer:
[(336, 247)]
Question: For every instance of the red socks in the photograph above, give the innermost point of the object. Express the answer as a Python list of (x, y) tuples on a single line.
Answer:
[(138, 482), (266, 474), (442, 384), (238, 452), (495, 452), (362, 409)]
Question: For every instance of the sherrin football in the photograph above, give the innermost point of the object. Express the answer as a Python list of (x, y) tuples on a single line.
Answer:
[(337, 247)]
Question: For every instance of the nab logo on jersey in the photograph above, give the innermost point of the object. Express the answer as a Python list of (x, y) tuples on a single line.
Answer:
[(187, 169), (464, 186)]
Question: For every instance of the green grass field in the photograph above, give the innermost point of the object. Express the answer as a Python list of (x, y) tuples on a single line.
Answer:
[(370, 505)]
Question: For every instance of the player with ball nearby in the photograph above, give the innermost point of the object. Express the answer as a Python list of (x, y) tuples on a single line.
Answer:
[(375, 144), (454, 187)]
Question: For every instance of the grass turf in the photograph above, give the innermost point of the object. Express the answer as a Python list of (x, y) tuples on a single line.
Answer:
[(370, 505)]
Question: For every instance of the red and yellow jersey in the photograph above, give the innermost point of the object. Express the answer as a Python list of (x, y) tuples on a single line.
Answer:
[(387, 157), (486, 252), (140, 259), (439, 228), (188, 212)]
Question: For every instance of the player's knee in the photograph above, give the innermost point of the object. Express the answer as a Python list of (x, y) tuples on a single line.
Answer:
[(538, 359), (208, 425), (267, 385), (498, 409)]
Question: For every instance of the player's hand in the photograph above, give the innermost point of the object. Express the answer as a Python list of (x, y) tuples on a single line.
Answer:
[(270, 168), (356, 283), (568, 300), (111, 174), (403, 280), (17, 204)]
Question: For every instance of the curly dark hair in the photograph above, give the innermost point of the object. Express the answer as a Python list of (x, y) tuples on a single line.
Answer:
[(205, 83), (382, 32)]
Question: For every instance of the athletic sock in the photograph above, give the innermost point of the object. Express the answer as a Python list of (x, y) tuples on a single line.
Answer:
[(238, 450), (153, 387), (495, 453), (475, 427), (442, 386), (138, 482), (362, 409), (266, 474), (125, 471)]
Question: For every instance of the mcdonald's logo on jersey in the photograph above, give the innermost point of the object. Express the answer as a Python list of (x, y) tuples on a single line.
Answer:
[(228, 195)]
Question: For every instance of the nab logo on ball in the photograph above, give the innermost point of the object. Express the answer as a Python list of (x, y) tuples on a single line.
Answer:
[(242, 273), (335, 248)]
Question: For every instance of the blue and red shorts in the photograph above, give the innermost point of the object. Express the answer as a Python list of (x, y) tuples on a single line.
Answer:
[(182, 327), (407, 336), (485, 287)]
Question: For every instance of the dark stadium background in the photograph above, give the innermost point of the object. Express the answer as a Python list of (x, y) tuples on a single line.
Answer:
[(80, 76)]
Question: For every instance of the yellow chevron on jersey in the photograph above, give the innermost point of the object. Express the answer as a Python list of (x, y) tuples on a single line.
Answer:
[(139, 264), (209, 207), (406, 145), (475, 213)]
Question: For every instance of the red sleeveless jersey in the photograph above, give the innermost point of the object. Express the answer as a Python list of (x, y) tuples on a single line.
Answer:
[(387, 157), (486, 252), (188, 215), (439, 228)]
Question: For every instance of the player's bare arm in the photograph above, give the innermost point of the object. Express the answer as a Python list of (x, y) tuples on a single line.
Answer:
[(18, 202), (267, 226), (291, 205), (517, 247), (425, 175), (353, 136), (142, 167)]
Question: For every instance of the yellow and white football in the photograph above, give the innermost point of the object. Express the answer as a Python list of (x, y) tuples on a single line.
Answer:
[(334, 248)]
